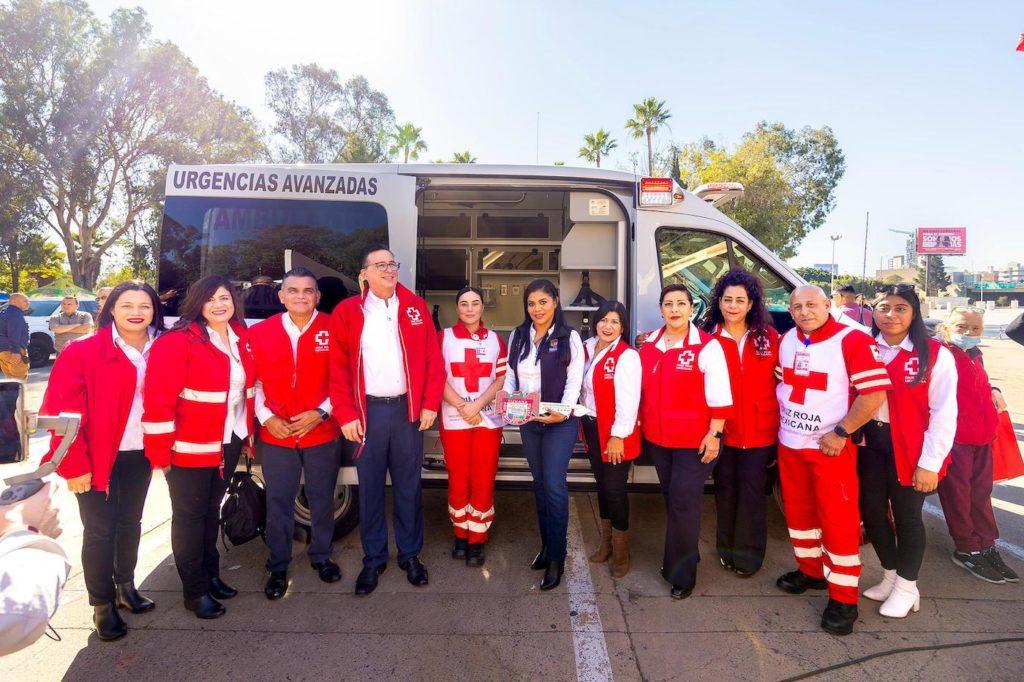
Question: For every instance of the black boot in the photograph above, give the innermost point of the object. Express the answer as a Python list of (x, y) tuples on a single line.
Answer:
[(838, 618), (205, 607), (221, 590), (475, 554), (540, 562), (108, 622), (552, 575), (129, 598), (459, 549), (798, 582)]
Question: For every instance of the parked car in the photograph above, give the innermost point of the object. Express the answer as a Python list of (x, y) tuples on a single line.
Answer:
[(41, 340)]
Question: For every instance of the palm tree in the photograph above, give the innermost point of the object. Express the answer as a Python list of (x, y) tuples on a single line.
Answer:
[(597, 145), (463, 157), (648, 117), (406, 139)]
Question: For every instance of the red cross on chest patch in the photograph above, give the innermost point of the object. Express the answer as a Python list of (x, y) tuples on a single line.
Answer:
[(800, 383), (911, 368), (471, 370)]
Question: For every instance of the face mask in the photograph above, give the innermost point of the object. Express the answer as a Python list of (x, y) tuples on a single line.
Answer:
[(965, 342)]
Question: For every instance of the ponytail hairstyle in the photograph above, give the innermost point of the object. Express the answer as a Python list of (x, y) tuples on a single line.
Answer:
[(758, 317), (918, 332), (560, 329), (199, 292)]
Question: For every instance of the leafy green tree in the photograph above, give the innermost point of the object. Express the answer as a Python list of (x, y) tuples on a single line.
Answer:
[(367, 119), (938, 278), (91, 113), (821, 278), (463, 157), (407, 141), (648, 118), (596, 145), (790, 179)]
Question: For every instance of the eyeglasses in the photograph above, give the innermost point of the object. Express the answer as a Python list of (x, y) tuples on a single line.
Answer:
[(384, 267)]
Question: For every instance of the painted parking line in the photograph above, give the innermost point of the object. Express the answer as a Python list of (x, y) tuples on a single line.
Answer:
[(1003, 545), (588, 643)]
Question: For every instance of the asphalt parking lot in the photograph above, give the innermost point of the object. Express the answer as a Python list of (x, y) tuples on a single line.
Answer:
[(494, 623)]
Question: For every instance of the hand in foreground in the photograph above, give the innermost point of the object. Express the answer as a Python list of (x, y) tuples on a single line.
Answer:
[(831, 444), (998, 400), (304, 422), (550, 418), (278, 427), (353, 431), (925, 481), (38, 513), (80, 484), (709, 448), (427, 418), (615, 450)]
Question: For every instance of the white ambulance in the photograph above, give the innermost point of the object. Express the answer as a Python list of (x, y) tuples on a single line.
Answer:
[(493, 227)]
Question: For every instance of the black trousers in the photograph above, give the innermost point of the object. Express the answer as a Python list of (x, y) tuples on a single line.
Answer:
[(196, 496), (112, 526), (682, 477), (612, 501), (880, 490), (740, 478)]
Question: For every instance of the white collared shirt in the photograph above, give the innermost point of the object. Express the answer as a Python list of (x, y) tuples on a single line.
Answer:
[(740, 343), (627, 386), (528, 369), (942, 409), (383, 360), (235, 422), (263, 413), (131, 439)]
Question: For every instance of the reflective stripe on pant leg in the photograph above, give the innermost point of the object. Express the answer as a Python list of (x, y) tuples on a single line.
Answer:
[(836, 491), (799, 507), (482, 472)]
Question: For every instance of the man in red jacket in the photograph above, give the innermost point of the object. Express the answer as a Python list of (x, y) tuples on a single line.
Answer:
[(387, 377), (291, 351)]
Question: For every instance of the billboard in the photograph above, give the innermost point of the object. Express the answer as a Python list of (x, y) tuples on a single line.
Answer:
[(942, 241)]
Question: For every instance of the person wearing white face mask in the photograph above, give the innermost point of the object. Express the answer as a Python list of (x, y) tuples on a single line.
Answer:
[(966, 491)]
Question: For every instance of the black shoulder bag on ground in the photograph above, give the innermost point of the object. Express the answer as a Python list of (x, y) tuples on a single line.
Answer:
[(243, 515)]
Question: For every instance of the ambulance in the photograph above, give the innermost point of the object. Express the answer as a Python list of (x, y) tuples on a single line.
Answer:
[(597, 234)]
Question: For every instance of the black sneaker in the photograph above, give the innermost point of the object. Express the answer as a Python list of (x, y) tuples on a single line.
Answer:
[(997, 563), (979, 566)]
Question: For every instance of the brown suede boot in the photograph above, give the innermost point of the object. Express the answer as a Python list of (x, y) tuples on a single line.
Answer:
[(604, 550), (620, 553)]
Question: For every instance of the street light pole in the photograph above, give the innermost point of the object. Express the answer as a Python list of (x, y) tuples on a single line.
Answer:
[(864, 269), (832, 284)]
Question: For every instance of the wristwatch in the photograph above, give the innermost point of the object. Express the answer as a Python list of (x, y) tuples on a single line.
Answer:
[(323, 414), (718, 434), (841, 432)]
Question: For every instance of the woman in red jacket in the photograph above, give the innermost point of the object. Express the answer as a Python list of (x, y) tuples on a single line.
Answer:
[(684, 402), (740, 321), (101, 378), (198, 414)]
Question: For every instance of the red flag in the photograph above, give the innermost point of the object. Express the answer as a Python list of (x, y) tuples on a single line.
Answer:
[(1020, 46)]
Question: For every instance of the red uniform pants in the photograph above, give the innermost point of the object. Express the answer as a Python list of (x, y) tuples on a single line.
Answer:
[(471, 456), (819, 499)]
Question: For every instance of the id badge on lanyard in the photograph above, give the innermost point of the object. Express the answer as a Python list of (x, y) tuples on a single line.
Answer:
[(802, 362)]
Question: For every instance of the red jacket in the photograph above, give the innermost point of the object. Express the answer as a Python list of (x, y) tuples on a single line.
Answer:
[(94, 378), (604, 401), (755, 423), (674, 410), (291, 387), (424, 366), (977, 418), (185, 399)]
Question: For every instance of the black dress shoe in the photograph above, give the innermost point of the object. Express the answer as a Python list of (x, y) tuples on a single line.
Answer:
[(129, 598), (681, 592), (475, 554), (221, 590), (415, 572), (540, 562), (838, 618), (205, 607), (366, 582), (727, 564), (743, 572), (108, 622), (798, 582), (329, 571), (552, 575), (277, 585), (459, 549)]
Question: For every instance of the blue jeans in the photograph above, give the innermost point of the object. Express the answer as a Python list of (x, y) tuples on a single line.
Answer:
[(548, 448)]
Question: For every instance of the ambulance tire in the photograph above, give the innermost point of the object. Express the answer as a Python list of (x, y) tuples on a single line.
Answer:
[(346, 512)]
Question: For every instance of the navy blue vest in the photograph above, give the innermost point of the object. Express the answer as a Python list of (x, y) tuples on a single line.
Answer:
[(553, 364)]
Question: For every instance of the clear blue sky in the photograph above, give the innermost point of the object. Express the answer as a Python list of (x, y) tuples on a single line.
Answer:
[(926, 98)]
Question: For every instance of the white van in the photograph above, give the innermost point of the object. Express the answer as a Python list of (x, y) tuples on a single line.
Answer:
[(494, 227)]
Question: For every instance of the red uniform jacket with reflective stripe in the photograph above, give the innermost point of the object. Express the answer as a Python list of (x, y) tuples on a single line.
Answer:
[(185, 399), (977, 418), (604, 401), (421, 356), (94, 378), (291, 387), (755, 422), (674, 412), (909, 412)]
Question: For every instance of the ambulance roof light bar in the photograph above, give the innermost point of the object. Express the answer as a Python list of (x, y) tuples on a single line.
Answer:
[(658, 192), (720, 193)]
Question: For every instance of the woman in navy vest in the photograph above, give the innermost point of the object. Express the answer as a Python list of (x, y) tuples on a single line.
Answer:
[(546, 356)]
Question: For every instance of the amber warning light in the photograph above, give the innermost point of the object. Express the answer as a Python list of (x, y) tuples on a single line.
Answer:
[(656, 192)]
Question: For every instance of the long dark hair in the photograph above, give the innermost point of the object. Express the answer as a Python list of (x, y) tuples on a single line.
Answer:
[(560, 329), (199, 292), (106, 317), (617, 308), (758, 317), (918, 332)]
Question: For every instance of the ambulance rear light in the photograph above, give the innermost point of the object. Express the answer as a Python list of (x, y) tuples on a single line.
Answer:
[(657, 192)]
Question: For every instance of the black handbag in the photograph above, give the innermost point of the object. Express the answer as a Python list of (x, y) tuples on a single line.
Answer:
[(243, 516)]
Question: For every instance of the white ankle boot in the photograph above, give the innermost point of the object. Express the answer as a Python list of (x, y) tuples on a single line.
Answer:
[(903, 599), (882, 590)]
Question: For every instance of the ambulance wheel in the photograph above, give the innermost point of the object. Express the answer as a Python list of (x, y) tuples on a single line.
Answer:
[(346, 512)]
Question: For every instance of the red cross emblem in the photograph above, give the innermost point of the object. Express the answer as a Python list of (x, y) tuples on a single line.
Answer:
[(814, 380), (911, 367), (472, 370)]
